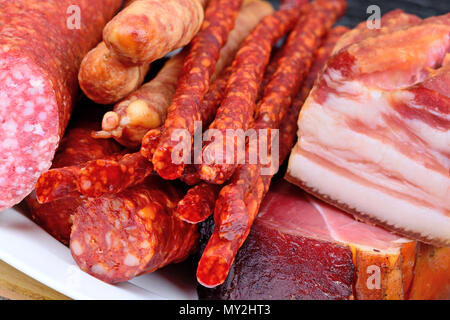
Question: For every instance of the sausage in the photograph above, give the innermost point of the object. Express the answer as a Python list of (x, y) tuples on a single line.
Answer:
[(113, 176), (228, 238), (147, 30), (146, 108), (198, 204), (252, 11), (105, 79), (219, 253), (194, 82), (41, 48), (76, 147), (118, 171), (117, 237), (236, 111)]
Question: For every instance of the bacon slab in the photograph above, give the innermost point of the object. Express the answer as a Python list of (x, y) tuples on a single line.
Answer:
[(374, 133)]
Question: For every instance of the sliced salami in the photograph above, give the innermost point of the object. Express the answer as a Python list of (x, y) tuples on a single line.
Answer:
[(42, 44)]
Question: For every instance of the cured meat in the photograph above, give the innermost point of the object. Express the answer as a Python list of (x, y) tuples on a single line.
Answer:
[(103, 176), (40, 53), (147, 30), (76, 147), (117, 237), (303, 248), (237, 108), (374, 132), (119, 171), (238, 202), (105, 79), (194, 83), (146, 108), (431, 274), (198, 204)]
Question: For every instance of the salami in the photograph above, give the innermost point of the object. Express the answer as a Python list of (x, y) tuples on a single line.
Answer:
[(239, 205), (236, 111), (41, 48), (117, 237), (194, 83), (76, 147)]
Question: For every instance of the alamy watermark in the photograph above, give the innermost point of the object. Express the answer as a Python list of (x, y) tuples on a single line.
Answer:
[(374, 20), (214, 146), (373, 282), (73, 21)]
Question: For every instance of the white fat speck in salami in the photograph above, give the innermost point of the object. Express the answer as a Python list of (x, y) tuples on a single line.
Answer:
[(23, 129)]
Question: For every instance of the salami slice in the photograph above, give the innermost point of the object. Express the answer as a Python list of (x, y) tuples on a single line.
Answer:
[(42, 44), (117, 237)]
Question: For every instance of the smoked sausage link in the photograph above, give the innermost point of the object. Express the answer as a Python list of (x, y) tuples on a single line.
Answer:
[(42, 44)]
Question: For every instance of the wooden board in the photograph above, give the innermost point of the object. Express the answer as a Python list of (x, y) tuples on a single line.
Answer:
[(15, 285)]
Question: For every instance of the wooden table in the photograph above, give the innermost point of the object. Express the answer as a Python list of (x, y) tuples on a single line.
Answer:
[(15, 285)]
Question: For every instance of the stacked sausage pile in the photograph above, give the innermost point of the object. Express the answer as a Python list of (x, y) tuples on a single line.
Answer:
[(125, 217)]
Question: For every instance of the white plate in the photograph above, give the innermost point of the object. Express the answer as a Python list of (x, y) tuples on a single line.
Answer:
[(28, 248)]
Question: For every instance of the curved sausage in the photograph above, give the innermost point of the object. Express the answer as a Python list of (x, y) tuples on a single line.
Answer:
[(147, 30), (76, 147)]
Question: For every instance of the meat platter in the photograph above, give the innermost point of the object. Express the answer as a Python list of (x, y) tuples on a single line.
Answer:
[(227, 149)]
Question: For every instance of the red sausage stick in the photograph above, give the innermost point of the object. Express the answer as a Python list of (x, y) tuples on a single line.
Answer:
[(198, 204), (193, 84), (221, 250), (236, 111)]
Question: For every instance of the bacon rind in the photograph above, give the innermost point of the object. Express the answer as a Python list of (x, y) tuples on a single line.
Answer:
[(194, 83)]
